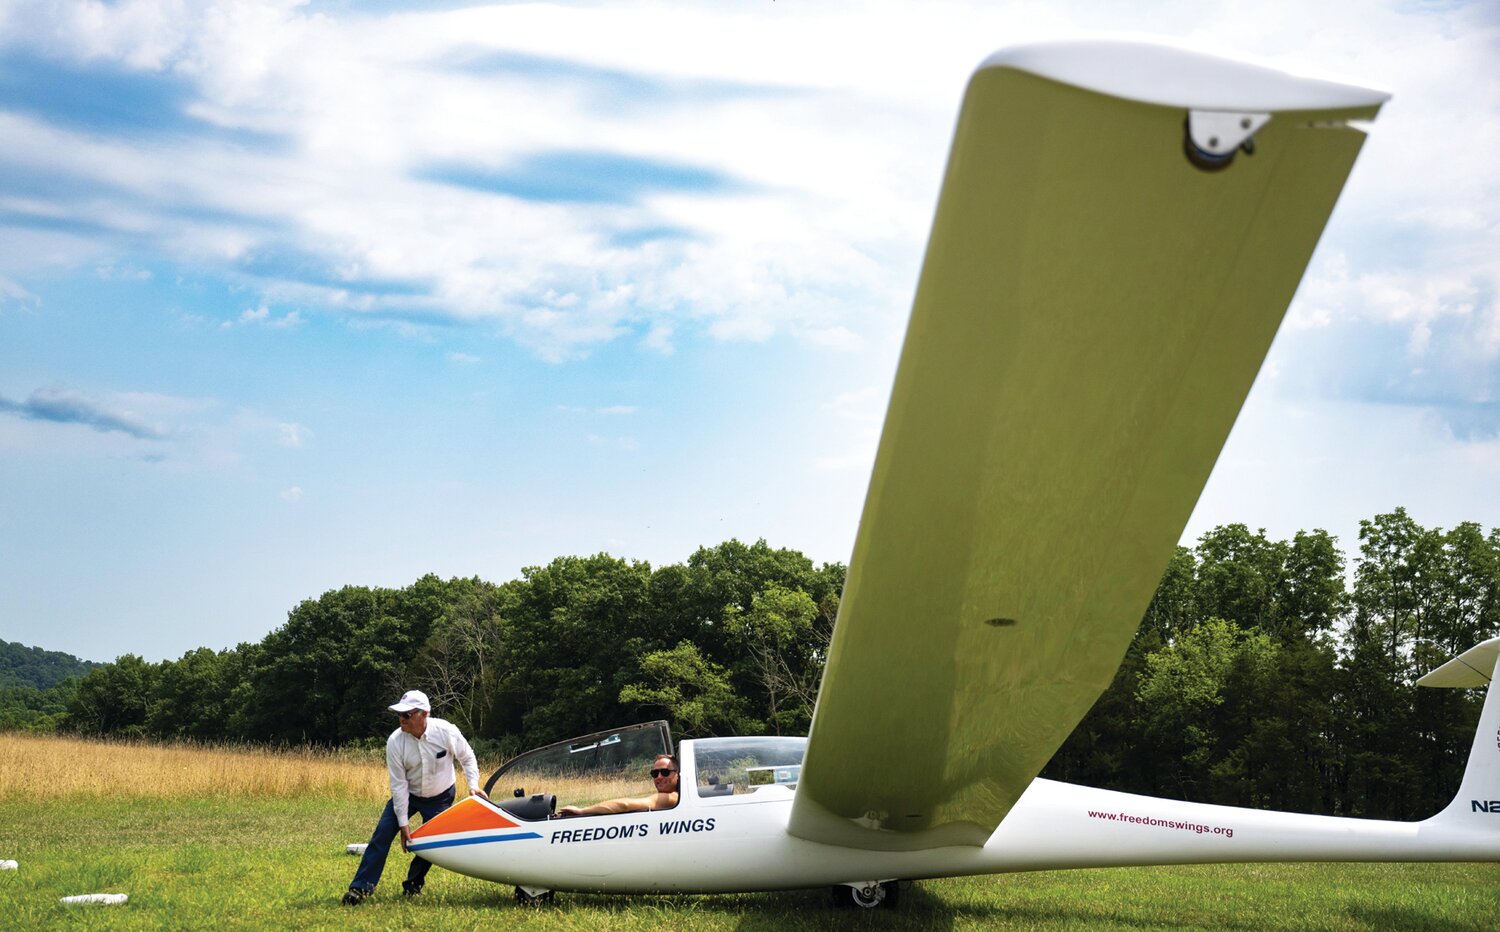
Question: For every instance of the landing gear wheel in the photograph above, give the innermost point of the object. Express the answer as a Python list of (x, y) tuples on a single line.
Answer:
[(533, 897), (867, 895)]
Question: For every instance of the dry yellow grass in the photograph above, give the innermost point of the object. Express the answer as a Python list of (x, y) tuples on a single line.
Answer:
[(36, 767), (42, 767)]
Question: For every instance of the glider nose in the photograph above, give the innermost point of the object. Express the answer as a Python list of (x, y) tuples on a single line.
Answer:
[(466, 839), (470, 815)]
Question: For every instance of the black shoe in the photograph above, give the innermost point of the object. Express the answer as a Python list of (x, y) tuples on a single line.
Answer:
[(411, 887), (355, 897)]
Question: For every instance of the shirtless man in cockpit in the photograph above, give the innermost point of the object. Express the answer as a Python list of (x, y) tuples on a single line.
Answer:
[(663, 774)]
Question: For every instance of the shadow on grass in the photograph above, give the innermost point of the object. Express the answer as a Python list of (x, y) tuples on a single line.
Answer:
[(1401, 918), (940, 905), (794, 909), (920, 908)]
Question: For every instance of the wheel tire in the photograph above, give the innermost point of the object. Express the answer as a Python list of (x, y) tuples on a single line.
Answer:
[(877, 896), (867, 897), (526, 899)]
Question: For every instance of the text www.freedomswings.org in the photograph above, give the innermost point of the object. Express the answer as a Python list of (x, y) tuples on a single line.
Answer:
[(1164, 823)]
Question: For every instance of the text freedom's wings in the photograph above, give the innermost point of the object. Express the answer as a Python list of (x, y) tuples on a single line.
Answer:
[(1092, 311)]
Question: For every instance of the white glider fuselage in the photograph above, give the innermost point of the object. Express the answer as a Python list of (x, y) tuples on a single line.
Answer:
[(732, 844)]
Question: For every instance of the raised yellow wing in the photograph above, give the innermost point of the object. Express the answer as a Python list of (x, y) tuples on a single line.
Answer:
[(1092, 311)]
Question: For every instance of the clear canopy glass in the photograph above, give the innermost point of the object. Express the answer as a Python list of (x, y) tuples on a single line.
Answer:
[(740, 766)]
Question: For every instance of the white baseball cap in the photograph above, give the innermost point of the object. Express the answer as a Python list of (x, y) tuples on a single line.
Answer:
[(412, 699)]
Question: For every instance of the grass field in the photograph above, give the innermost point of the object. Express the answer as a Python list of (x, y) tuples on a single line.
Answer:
[(237, 853)]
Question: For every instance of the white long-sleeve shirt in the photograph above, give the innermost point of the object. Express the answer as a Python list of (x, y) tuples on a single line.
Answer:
[(424, 766)]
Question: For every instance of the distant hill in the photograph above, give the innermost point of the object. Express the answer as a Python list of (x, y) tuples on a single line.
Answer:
[(31, 666)]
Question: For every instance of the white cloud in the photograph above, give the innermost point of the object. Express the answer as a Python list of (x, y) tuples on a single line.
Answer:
[(625, 444), (864, 405), (13, 294), (832, 121), (182, 431), (121, 272), (291, 494), (262, 316), (292, 435), (462, 359), (121, 414), (366, 101), (659, 339), (839, 338), (859, 412), (1411, 297)]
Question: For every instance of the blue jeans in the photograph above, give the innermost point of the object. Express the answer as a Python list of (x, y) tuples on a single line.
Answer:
[(386, 830)]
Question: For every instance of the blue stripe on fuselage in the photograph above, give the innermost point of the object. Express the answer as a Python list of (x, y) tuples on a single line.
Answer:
[(483, 839)]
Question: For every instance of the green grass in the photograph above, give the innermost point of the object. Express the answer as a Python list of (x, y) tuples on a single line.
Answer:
[(228, 864)]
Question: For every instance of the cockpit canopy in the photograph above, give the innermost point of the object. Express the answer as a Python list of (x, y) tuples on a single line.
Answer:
[(722, 770), (741, 766), (612, 751)]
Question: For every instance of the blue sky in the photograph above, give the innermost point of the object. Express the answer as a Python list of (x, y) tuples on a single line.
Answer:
[(299, 295)]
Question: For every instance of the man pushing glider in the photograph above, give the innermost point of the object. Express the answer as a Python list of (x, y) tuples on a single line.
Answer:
[(419, 755)]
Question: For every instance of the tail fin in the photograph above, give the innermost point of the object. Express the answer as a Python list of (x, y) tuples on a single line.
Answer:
[(1479, 794)]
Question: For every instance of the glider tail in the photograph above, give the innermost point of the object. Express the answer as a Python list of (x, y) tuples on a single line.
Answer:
[(1477, 804)]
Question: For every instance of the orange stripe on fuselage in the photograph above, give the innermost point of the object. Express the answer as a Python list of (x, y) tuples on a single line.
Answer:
[(471, 815)]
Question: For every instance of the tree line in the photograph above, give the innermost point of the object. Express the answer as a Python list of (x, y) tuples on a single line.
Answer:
[(1264, 673), (1259, 677), (36, 686)]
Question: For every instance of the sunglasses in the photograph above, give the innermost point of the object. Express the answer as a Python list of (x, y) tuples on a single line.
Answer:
[(407, 714), (662, 772)]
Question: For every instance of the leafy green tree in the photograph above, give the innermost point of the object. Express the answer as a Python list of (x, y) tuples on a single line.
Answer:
[(31, 666), (191, 696), (1397, 587), (1239, 574), (43, 711), (1286, 721), (1173, 609), (576, 629), (784, 637), (1183, 698), (1375, 727), (1420, 596), (730, 574), (327, 675), (1311, 596), (692, 690), (1468, 585), (113, 699), (1106, 748), (460, 663)]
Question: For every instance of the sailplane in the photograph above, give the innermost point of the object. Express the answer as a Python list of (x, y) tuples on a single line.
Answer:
[(1120, 229)]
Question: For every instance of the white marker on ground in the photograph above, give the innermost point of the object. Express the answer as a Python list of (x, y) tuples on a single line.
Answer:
[(357, 849), (107, 899), (9, 866)]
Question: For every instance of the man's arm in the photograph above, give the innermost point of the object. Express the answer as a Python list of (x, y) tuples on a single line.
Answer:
[(400, 791), (664, 801), (396, 772), (612, 806), (466, 759)]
